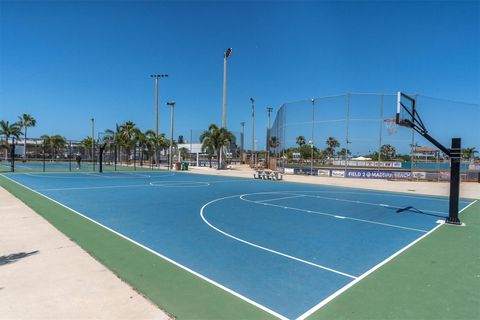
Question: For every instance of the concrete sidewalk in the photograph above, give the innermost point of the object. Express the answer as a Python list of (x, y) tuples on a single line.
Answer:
[(44, 275)]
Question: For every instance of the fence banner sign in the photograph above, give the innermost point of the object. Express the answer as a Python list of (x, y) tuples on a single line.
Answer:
[(419, 175), (376, 164), (338, 173), (289, 171), (376, 174), (324, 173)]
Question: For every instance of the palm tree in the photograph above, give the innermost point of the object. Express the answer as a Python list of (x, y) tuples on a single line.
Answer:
[(126, 136), (159, 142), (216, 138), (469, 153), (344, 153), (274, 143), (9, 130), (301, 141), (207, 145), (388, 151), (26, 121), (87, 143), (332, 143), (57, 142), (143, 142)]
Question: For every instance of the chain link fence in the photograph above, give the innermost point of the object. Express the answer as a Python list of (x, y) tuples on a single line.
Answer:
[(354, 135), (58, 154)]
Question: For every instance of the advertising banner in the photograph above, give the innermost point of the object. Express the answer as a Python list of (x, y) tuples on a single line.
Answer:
[(375, 174)]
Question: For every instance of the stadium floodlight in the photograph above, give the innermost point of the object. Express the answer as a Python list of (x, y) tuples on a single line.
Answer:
[(172, 115), (156, 77), (252, 101), (226, 54)]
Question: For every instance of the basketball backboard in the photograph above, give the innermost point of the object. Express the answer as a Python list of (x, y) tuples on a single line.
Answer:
[(407, 114)]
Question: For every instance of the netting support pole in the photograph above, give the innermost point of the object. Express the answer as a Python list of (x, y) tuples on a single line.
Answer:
[(346, 134), (44, 155), (455, 158), (115, 157), (380, 136), (12, 155), (70, 157)]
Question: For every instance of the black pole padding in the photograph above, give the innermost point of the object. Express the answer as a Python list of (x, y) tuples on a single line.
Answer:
[(455, 159), (100, 159)]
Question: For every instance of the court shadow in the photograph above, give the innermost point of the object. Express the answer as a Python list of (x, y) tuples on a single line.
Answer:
[(411, 209), (14, 257)]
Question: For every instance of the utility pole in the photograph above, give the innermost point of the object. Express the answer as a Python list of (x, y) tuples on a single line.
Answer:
[(172, 115), (253, 130), (242, 141)]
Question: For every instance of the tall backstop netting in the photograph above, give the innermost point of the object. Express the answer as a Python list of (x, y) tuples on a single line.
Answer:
[(355, 135)]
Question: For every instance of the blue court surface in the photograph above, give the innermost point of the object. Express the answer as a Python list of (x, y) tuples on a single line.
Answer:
[(285, 247)]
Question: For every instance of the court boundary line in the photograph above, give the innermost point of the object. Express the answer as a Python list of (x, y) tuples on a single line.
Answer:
[(370, 271), (328, 214), (371, 203), (262, 247), (218, 285)]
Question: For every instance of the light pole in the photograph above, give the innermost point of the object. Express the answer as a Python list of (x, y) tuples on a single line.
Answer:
[(267, 146), (93, 142), (253, 129), (242, 141), (226, 54), (313, 130), (156, 77), (172, 115)]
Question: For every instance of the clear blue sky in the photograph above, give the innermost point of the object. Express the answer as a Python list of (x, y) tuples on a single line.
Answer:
[(64, 62)]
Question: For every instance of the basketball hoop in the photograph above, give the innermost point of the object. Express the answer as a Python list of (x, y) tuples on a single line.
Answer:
[(391, 125)]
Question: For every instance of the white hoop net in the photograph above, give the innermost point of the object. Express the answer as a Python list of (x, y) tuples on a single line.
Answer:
[(391, 126)]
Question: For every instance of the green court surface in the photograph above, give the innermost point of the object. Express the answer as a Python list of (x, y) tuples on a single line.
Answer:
[(437, 278)]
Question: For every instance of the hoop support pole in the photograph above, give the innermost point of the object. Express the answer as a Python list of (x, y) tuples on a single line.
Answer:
[(455, 158)]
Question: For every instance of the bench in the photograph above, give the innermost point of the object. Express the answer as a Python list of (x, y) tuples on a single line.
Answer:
[(267, 175)]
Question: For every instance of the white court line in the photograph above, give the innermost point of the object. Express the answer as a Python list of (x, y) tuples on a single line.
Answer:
[(179, 184), (363, 276), (265, 248), (368, 192), (373, 204), (236, 294), (275, 199), (99, 187), (333, 215)]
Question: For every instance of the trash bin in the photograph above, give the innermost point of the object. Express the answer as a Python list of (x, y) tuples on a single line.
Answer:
[(177, 166), (185, 165)]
